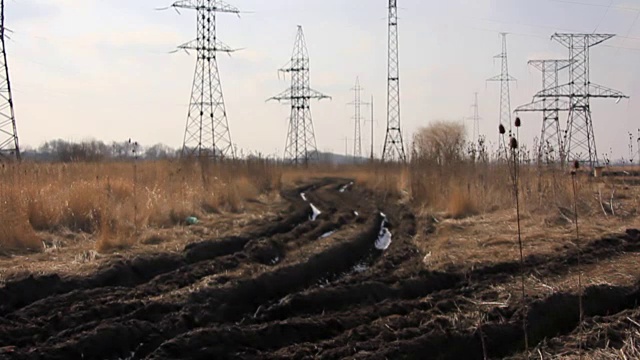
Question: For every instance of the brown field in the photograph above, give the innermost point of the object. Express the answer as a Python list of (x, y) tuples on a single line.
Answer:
[(97, 254)]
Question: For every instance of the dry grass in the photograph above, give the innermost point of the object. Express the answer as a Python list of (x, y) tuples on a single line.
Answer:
[(630, 350), (462, 189), (466, 189), (474, 203), (102, 199), (461, 204)]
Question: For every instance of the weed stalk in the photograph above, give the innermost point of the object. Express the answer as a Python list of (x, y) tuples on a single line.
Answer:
[(134, 150), (574, 174), (516, 190)]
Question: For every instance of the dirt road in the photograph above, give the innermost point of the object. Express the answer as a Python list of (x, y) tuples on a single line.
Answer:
[(299, 287)]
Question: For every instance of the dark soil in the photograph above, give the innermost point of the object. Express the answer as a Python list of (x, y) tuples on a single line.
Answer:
[(288, 290)]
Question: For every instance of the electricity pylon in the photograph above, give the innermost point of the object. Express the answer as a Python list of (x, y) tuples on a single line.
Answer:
[(580, 143), (393, 145), (9, 146), (207, 132), (301, 141), (357, 118), (505, 88), (476, 119), (551, 139)]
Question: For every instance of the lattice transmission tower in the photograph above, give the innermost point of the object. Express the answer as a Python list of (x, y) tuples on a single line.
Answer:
[(207, 132), (9, 147), (301, 141), (551, 138), (357, 118), (393, 144), (476, 119), (580, 143), (505, 86)]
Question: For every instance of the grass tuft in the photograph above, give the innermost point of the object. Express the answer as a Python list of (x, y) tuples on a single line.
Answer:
[(461, 204)]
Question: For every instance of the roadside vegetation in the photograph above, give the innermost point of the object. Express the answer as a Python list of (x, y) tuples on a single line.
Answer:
[(114, 202)]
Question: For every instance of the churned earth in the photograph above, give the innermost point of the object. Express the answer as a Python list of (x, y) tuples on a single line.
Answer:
[(322, 281)]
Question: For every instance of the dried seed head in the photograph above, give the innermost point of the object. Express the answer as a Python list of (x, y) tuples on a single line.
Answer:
[(518, 122), (576, 164), (502, 129), (513, 143)]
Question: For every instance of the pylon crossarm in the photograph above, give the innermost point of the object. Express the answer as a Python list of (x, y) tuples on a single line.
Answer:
[(544, 105), (555, 92), (599, 91), (218, 47), (284, 96), (502, 78), (314, 94), (286, 69), (214, 5), (542, 65), (287, 95), (594, 91), (567, 39)]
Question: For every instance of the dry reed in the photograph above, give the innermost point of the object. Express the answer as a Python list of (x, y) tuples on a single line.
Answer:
[(94, 197), (109, 200)]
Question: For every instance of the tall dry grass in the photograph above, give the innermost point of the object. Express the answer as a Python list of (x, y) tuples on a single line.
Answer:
[(98, 198), (468, 188), (463, 188)]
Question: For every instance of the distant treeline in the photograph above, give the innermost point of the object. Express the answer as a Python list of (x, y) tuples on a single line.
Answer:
[(94, 150)]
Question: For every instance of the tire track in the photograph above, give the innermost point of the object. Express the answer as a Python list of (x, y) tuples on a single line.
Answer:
[(324, 297)]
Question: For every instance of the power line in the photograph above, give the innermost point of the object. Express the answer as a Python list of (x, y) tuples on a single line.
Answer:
[(546, 37), (539, 26), (604, 16), (596, 5)]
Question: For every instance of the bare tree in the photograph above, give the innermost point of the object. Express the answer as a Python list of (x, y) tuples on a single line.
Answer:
[(441, 142)]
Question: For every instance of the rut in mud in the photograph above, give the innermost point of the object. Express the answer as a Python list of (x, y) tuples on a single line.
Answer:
[(298, 287)]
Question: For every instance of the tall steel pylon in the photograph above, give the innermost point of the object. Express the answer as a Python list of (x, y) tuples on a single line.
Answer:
[(371, 122), (476, 119), (551, 138), (580, 143), (505, 88), (207, 132), (393, 145), (357, 118), (9, 146), (301, 141)]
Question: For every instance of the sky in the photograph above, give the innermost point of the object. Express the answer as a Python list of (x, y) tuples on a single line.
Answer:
[(97, 69)]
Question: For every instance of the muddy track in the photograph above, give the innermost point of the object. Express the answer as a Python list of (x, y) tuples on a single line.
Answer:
[(297, 288)]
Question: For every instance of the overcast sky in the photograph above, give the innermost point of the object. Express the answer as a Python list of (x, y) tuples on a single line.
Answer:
[(83, 69)]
